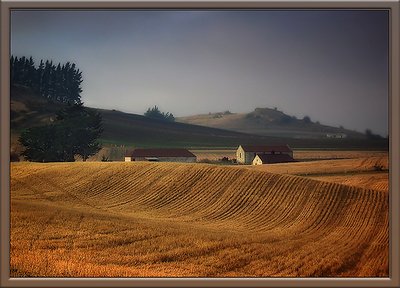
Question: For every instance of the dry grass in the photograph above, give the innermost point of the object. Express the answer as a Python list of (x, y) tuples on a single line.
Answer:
[(373, 180), (366, 172), (336, 154), (166, 219), (322, 167)]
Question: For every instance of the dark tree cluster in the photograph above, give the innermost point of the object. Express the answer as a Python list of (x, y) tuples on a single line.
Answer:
[(286, 119), (155, 113), (73, 133), (307, 119), (372, 136), (59, 83)]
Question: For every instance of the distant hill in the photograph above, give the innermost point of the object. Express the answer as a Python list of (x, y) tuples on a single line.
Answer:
[(270, 122), (125, 129), (29, 109)]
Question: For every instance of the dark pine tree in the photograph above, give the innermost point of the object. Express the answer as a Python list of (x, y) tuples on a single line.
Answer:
[(57, 83)]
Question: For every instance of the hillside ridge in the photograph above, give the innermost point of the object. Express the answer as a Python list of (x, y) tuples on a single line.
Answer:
[(125, 129), (270, 122)]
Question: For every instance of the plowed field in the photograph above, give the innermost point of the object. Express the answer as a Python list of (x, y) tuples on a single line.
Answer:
[(323, 167), (167, 219)]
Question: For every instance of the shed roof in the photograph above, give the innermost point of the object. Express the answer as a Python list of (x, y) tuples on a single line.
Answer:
[(162, 152), (264, 148), (275, 158)]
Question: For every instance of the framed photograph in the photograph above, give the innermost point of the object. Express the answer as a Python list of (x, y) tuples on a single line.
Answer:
[(200, 143)]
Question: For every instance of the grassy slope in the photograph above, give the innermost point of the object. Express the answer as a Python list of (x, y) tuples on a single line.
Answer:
[(268, 122), (166, 219), (28, 110), (131, 129)]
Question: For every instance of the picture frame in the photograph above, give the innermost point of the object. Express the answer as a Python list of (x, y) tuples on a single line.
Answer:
[(394, 152)]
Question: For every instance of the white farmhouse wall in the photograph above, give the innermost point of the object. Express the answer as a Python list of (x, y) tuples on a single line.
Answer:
[(240, 155), (128, 159), (243, 157), (257, 161)]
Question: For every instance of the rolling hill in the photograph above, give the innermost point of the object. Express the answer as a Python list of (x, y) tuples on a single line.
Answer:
[(268, 122), (125, 129), (192, 220), (28, 110)]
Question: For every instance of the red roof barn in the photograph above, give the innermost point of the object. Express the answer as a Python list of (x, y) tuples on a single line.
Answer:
[(161, 155)]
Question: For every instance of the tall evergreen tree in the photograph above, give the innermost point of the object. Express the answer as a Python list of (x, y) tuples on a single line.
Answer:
[(59, 83)]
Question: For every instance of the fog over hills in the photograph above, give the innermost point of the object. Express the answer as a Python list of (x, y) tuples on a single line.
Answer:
[(262, 126), (270, 122)]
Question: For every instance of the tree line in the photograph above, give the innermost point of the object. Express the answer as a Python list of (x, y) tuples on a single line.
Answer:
[(75, 129), (155, 113), (55, 82)]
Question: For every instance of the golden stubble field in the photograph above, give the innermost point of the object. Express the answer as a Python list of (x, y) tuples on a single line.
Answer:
[(194, 220)]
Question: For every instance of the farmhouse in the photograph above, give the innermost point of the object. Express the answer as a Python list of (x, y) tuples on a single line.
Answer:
[(245, 154), (161, 155), (336, 135), (272, 159)]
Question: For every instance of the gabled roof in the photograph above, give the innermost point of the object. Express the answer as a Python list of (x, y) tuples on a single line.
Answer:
[(162, 152), (260, 148), (275, 158)]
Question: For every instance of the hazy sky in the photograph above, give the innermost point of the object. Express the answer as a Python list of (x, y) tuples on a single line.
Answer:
[(329, 65)]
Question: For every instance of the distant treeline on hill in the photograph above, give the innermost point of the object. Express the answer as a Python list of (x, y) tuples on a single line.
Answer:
[(59, 83)]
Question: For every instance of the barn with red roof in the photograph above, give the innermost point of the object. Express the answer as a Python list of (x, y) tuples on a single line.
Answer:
[(245, 154), (161, 155)]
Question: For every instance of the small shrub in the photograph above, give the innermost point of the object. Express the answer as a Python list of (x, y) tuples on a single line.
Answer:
[(378, 167), (307, 119)]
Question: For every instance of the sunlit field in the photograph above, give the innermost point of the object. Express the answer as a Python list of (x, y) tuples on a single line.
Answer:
[(168, 219)]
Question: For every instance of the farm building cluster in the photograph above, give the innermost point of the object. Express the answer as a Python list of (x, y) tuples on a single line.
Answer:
[(245, 154), (161, 155), (257, 155)]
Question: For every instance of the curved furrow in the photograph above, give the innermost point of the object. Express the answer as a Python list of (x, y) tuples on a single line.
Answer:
[(220, 207), (144, 189), (342, 246), (256, 199), (240, 199), (246, 186), (205, 191), (352, 241), (211, 193), (296, 220), (316, 208), (294, 189), (272, 209), (187, 181), (280, 225), (250, 212), (188, 201), (275, 218), (331, 211), (260, 214), (128, 179)]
